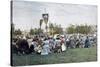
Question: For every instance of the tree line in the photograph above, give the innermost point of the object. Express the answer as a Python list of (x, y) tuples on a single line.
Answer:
[(83, 29), (56, 29)]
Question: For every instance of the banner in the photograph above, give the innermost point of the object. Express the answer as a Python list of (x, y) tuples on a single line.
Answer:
[(45, 17)]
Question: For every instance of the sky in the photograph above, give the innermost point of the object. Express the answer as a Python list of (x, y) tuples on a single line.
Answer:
[(27, 14)]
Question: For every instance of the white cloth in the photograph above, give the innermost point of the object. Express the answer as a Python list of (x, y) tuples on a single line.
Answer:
[(35, 45), (46, 48), (58, 42), (63, 47)]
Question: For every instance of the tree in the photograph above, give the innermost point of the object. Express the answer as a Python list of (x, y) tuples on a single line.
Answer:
[(51, 28), (18, 32), (71, 29), (83, 29), (58, 29), (35, 31), (87, 29), (32, 32)]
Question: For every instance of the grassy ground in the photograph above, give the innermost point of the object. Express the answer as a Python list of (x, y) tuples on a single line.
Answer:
[(69, 56)]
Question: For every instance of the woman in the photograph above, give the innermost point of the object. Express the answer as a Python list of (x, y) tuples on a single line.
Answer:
[(46, 48)]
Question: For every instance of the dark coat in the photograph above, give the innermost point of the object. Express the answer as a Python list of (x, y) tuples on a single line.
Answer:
[(87, 43), (23, 45)]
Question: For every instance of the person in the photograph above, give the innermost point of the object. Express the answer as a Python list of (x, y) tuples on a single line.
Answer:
[(38, 49), (23, 45), (51, 44), (87, 42), (77, 43), (46, 48), (67, 43), (37, 45), (81, 43), (14, 47), (18, 45), (72, 42), (32, 46), (63, 46), (57, 45)]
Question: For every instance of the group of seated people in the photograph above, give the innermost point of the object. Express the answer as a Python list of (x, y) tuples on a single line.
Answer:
[(46, 45)]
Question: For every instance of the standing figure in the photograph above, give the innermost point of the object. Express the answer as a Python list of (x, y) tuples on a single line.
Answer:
[(72, 43), (63, 46), (57, 45), (87, 42), (67, 43), (77, 43), (81, 43)]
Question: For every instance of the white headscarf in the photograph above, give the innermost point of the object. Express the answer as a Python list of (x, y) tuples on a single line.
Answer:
[(24, 37)]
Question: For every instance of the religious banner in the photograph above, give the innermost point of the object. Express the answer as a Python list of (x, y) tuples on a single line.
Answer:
[(41, 21), (45, 17)]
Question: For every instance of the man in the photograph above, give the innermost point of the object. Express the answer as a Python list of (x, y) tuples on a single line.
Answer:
[(87, 42)]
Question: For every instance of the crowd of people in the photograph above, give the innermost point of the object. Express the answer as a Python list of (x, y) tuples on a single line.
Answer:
[(45, 45)]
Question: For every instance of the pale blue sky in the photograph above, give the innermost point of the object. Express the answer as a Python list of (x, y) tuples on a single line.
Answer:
[(27, 14)]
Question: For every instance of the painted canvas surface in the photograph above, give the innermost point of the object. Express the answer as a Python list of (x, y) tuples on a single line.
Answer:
[(52, 33)]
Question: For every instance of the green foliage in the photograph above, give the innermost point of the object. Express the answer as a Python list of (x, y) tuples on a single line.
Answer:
[(18, 32), (71, 29), (55, 29), (58, 29), (32, 32), (83, 29), (14, 31), (51, 28), (35, 31), (40, 30)]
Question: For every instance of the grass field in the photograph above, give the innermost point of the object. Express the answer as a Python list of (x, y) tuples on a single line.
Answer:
[(69, 56)]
